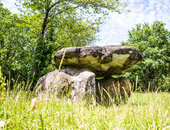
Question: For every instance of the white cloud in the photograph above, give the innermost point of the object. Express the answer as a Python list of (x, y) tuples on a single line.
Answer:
[(10, 4), (115, 30)]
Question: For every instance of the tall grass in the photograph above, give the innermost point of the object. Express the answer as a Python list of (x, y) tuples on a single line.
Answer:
[(142, 111)]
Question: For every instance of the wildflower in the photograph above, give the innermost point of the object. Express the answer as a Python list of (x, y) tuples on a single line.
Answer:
[(2, 98), (3, 84), (34, 103), (2, 124), (8, 122)]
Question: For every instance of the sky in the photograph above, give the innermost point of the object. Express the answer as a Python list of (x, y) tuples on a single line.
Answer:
[(116, 26)]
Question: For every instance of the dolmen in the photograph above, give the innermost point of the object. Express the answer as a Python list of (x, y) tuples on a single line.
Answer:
[(86, 73)]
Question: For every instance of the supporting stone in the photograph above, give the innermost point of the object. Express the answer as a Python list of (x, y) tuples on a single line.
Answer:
[(80, 83), (109, 89)]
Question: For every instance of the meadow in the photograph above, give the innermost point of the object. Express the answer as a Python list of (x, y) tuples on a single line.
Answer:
[(142, 111)]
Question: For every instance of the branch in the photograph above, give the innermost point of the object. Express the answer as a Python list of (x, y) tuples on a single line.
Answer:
[(60, 12), (52, 27), (70, 37), (56, 4), (46, 18), (59, 46)]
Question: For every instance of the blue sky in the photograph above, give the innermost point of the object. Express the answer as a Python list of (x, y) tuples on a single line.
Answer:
[(115, 29)]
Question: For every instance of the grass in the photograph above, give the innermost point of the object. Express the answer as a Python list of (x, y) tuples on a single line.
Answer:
[(143, 111)]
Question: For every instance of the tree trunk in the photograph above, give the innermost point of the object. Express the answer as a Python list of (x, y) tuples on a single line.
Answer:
[(44, 24)]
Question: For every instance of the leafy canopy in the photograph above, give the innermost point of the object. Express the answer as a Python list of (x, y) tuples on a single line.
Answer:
[(153, 41)]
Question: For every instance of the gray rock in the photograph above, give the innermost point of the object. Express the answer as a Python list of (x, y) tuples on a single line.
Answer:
[(80, 83), (103, 61), (117, 89)]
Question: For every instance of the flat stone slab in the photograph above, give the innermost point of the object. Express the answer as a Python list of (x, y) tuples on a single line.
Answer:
[(104, 61)]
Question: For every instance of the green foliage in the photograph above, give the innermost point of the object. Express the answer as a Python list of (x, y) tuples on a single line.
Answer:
[(17, 40), (2, 86), (153, 43), (2, 81)]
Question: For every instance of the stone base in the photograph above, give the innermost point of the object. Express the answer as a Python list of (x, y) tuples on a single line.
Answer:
[(82, 85), (109, 89), (78, 84)]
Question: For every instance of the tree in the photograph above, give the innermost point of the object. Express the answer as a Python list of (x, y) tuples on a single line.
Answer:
[(50, 9), (18, 34), (65, 23), (153, 42), (29, 40)]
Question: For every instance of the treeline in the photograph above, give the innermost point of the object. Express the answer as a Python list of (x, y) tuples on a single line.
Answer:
[(153, 42)]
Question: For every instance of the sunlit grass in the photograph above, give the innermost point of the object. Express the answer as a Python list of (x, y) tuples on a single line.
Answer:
[(142, 111)]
